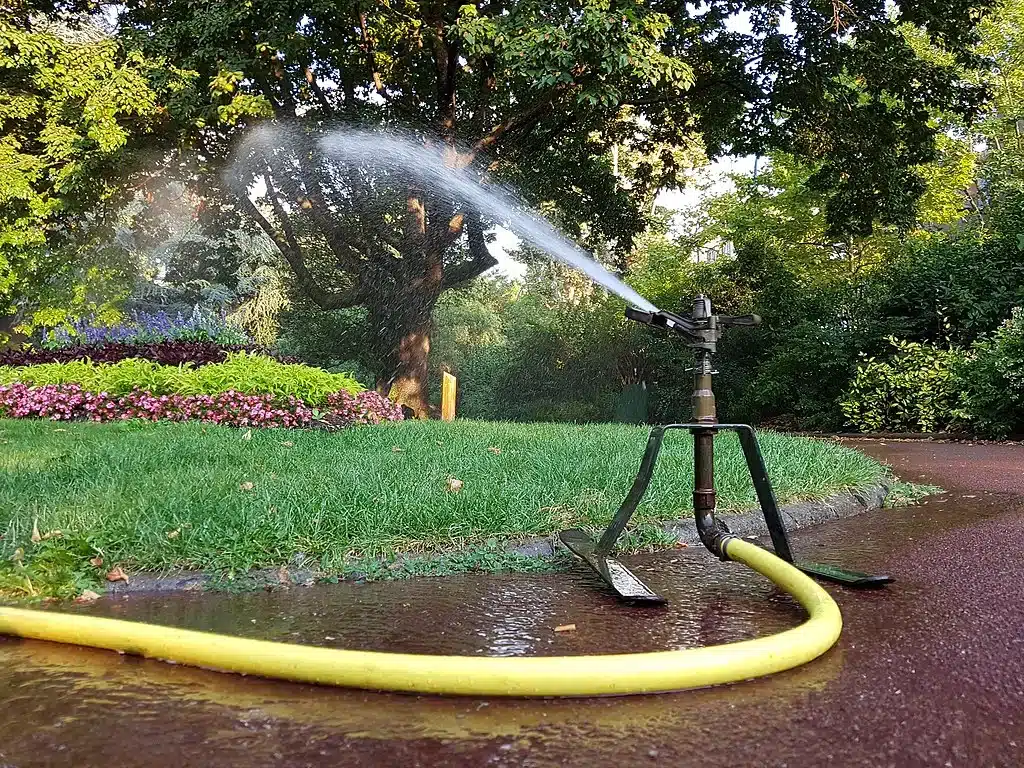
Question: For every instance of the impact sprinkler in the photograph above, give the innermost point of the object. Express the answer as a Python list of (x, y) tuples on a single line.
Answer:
[(702, 329)]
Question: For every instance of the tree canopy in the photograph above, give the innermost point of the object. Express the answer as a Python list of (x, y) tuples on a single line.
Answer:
[(83, 120)]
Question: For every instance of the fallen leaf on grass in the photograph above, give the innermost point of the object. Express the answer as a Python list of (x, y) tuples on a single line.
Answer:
[(246, 486), (247, 435), (454, 485), (60, 430), (397, 449), (494, 449), (287, 443), (56, 533), (566, 628), (87, 596), (36, 538), (174, 534), (96, 562), (117, 574)]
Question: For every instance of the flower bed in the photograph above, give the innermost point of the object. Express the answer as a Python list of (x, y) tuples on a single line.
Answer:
[(169, 352), (68, 402)]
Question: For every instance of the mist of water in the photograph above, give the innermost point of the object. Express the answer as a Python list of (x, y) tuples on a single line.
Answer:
[(355, 148)]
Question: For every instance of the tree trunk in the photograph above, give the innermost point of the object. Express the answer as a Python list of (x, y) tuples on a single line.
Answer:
[(404, 349), (402, 322)]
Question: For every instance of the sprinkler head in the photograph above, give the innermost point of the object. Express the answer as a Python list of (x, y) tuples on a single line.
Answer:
[(701, 328)]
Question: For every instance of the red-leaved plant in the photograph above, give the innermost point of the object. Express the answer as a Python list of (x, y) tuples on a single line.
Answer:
[(162, 352)]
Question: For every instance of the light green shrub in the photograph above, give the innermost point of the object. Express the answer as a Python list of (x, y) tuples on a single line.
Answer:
[(241, 372)]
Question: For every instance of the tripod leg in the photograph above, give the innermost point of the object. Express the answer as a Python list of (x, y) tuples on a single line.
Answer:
[(623, 582), (777, 528), (765, 492), (636, 493)]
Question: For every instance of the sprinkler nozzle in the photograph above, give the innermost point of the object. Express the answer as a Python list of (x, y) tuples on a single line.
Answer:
[(662, 319)]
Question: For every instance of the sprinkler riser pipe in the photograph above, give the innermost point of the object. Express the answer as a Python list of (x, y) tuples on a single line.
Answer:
[(704, 499), (703, 399)]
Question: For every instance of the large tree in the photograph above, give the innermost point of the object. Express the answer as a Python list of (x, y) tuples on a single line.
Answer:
[(535, 93)]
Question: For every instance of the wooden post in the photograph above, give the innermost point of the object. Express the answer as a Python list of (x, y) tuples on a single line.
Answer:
[(447, 397)]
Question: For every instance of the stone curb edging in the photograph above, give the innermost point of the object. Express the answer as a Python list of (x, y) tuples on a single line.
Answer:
[(750, 524)]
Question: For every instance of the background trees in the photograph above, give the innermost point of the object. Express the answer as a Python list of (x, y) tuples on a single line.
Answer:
[(870, 212), (536, 94), (85, 122)]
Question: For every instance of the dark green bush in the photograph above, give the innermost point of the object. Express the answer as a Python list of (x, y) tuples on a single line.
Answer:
[(993, 380)]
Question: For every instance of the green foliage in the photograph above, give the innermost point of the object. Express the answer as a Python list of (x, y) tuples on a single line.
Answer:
[(915, 390), (993, 380), (903, 494), (843, 87), (470, 340), (950, 289), (332, 340), (927, 388), (79, 117), (543, 96), (242, 372), (59, 565)]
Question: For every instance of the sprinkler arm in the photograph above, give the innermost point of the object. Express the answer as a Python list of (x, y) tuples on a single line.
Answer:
[(701, 328)]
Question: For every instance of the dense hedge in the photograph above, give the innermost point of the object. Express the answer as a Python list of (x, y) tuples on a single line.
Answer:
[(525, 355), (928, 388), (167, 352)]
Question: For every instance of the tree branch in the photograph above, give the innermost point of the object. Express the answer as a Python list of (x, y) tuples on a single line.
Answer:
[(446, 64), (314, 86), (480, 257), (371, 56), (313, 201), (290, 249), (525, 120)]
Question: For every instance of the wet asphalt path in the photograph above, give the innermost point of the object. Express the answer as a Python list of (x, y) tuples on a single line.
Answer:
[(928, 672)]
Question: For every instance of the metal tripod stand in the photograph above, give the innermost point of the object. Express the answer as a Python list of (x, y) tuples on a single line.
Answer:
[(702, 329)]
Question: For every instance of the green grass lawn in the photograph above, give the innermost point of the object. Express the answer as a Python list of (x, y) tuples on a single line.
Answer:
[(155, 496)]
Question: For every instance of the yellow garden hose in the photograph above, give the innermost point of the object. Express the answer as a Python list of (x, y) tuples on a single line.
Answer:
[(469, 675)]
